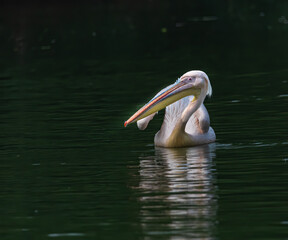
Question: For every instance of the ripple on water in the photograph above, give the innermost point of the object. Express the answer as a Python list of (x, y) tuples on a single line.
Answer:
[(66, 235), (228, 146), (283, 95)]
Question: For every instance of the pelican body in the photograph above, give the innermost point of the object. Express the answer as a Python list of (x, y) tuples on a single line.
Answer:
[(186, 122)]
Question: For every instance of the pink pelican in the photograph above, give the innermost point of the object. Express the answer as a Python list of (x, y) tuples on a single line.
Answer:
[(186, 122)]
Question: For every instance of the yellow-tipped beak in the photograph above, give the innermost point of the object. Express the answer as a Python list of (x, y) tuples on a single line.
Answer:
[(172, 94)]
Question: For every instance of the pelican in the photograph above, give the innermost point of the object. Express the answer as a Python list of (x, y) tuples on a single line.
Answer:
[(186, 122)]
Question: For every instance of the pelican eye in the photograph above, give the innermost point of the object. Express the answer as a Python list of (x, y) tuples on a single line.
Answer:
[(190, 79)]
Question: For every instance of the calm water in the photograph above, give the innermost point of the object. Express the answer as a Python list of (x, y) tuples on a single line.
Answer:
[(70, 170)]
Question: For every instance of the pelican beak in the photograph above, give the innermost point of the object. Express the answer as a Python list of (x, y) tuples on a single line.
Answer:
[(170, 95)]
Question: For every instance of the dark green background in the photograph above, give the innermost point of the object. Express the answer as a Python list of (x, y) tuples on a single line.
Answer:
[(71, 74)]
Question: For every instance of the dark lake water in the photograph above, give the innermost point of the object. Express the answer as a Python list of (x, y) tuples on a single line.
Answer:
[(70, 170)]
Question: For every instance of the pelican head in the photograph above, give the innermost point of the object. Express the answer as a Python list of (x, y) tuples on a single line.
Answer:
[(195, 83)]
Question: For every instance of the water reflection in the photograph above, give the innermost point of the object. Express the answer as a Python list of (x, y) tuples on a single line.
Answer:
[(179, 193)]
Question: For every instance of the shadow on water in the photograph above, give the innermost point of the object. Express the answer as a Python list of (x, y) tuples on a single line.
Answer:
[(179, 197)]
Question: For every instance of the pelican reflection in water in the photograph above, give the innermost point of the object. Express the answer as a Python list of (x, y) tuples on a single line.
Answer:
[(178, 193), (186, 121)]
